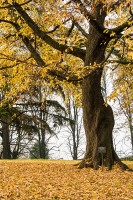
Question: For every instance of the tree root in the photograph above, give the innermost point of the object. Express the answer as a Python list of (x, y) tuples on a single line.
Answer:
[(85, 164), (95, 164), (120, 163)]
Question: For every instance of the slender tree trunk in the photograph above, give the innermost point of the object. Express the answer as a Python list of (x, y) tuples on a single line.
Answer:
[(98, 118), (6, 142), (75, 132), (43, 146), (130, 123)]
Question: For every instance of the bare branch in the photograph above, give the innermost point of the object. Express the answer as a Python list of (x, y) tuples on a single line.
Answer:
[(5, 122), (70, 30), (81, 29), (54, 29)]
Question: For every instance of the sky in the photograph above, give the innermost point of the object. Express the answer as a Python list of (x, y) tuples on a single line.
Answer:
[(121, 139)]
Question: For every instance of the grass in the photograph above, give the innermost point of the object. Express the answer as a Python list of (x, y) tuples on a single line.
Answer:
[(52, 180)]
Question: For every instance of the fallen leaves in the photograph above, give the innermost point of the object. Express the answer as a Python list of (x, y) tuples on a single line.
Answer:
[(58, 180)]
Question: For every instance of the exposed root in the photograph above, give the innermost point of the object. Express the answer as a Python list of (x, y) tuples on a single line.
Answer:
[(96, 162), (82, 164), (77, 164), (120, 163), (85, 164), (89, 164)]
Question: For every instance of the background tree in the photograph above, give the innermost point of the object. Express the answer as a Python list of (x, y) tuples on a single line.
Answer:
[(75, 129), (31, 119), (119, 92), (35, 151), (122, 82), (122, 94)]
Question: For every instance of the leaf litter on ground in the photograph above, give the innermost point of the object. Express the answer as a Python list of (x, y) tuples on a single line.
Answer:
[(61, 180)]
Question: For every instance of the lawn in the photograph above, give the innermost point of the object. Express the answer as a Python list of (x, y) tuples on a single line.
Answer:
[(53, 180)]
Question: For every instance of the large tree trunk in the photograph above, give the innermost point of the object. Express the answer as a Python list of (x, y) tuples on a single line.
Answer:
[(98, 123), (98, 117)]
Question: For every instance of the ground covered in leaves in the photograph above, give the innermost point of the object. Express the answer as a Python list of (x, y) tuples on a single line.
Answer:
[(53, 180)]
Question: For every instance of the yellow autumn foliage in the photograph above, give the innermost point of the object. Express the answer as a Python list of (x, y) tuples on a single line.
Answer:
[(47, 15), (51, 180)]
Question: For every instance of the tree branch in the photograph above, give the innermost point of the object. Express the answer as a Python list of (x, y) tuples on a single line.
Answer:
[(11, 66), (54, 29), (33, 51), (101, 29), (46, 38), (123, 62), (123, 26), (70, 30), (89, 16), (129, 21), (27, 43), (10, 6), (97, 68), (114, 5), (81, 29)]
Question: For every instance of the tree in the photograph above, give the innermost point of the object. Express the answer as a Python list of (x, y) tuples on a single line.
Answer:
[(122, 82), (35, 151), (5, 116), (16, 126), (120, 94), (123, 95), (75, 131), (49, 115), (64, 47)]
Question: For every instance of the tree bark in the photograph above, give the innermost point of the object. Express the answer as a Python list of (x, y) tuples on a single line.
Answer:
[(98, 117), (130, 122), (6, 142)]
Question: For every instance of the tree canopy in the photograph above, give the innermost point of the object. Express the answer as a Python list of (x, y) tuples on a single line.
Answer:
[(48, 39)]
